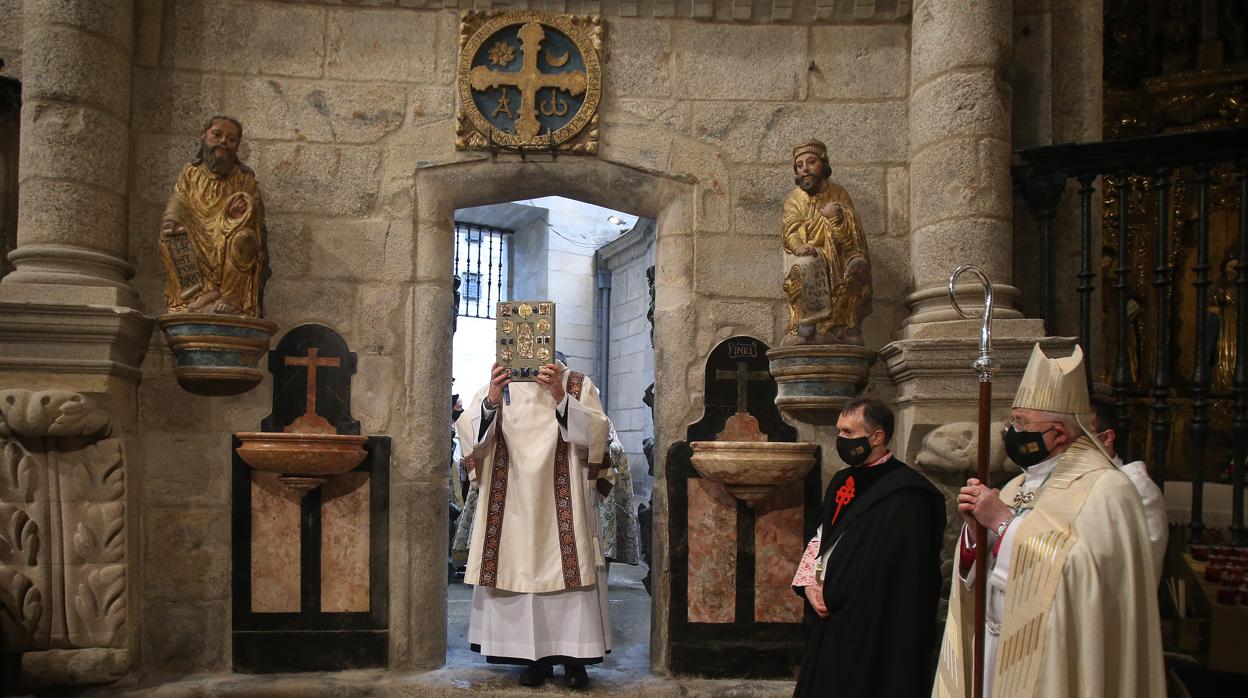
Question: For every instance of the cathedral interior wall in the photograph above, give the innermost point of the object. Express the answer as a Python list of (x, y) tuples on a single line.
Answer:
[(349, 123), (342, 107)]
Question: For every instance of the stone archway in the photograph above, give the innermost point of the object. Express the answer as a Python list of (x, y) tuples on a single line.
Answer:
[(417, 574)]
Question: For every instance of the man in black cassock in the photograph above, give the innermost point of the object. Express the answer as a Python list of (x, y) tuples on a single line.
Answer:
[(871, 572)]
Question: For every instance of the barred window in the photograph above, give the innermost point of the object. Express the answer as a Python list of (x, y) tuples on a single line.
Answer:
[(482, 265)]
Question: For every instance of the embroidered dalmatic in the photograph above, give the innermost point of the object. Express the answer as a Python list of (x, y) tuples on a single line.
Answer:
[(1078, 615), (535, 556)]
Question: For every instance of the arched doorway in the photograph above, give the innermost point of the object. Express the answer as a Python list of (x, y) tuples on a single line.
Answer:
[(418, 522)]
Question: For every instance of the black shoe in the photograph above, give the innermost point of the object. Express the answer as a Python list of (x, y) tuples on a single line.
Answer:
[(535, 674), (575, 677)]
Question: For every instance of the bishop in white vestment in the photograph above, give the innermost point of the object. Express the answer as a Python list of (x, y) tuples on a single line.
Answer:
[(535, 559), (1072, 602)]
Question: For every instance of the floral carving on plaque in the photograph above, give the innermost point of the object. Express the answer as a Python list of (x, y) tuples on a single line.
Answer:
[(62, 532)]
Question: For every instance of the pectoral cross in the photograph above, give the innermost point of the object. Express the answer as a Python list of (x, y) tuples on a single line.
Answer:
[(528, 80), (311, 421)]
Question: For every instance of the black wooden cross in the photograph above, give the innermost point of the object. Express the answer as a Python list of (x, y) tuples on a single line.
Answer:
[(743, 375)]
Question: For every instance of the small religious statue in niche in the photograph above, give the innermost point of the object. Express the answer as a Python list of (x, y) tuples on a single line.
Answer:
[(827, 281), (212, 233), (212, 245), (529, 81)]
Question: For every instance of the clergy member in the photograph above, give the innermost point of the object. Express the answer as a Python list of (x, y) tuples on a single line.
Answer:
[(1105, 425), (871, 573), (535, 559), (1072, 602)]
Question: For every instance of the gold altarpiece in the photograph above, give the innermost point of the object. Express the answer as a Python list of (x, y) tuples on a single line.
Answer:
[(1196, 79)]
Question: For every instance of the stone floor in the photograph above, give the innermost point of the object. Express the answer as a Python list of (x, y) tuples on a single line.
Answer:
[(624, 674)]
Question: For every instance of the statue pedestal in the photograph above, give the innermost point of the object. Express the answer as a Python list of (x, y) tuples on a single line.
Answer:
[(216, 354), (815, 380)]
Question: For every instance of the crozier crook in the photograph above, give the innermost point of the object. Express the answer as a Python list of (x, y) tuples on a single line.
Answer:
[(984, 368)]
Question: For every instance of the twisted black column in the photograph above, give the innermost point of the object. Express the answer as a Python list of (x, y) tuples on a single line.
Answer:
[(1122, 366), (1201, 373), (1163, 281), (1240, 421), (1086, 189)]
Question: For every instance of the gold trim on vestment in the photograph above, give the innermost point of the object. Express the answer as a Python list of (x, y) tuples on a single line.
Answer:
[(1042, 542)]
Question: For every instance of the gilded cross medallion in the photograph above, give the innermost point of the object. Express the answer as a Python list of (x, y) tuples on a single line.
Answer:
[(529, 81)]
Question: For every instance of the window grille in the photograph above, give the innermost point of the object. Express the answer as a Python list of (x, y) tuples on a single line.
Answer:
[(482, 263)]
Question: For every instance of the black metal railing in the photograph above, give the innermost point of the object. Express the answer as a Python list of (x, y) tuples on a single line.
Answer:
[(1137, 174), (482, 265)]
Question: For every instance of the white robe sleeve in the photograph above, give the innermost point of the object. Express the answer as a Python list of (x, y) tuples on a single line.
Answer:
[(482, 414), (468, 427), (586, 426), (1154, 512)]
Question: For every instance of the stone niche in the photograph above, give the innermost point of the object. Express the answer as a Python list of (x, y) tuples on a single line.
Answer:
[(733, 610), (311, 573)]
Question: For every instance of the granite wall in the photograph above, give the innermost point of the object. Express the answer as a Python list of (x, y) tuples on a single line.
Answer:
[(348, 109)]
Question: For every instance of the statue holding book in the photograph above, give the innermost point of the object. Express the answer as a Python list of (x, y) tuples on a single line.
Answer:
[(821, 362), (212, 233), (212, 248), (827, 282)]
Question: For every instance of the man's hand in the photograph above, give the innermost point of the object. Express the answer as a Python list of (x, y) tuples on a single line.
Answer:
[(551, 377), (237, 207), (499, 378), (805, 250), (979, 503), (167, 228), (833, 212), (814, 594)]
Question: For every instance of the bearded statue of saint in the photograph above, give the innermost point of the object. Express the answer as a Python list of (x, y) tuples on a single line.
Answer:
[(212, 234), (827, 282)]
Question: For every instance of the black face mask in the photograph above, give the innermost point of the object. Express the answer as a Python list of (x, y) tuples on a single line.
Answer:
[(853, 451), (1026, 447), (455, 415)]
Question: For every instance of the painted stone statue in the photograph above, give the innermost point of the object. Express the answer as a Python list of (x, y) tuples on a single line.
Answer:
[(822, 361), (827, 281), (212, 247), (212, 233)]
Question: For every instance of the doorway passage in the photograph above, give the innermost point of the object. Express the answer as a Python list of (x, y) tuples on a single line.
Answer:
[(596, 264)]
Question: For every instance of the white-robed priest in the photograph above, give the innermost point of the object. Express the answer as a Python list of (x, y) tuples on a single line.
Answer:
[(535, 560), (1072, 602)]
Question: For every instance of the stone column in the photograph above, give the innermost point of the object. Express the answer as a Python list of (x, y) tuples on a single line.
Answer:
[(75, 153), (961, 212), (961, 208), (71, 317)]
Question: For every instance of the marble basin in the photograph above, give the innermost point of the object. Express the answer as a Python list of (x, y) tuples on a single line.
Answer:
[(750, 470), (304, 460)]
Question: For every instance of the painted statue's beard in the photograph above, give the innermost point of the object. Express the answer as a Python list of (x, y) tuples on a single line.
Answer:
[(808, 183), (219, 160)]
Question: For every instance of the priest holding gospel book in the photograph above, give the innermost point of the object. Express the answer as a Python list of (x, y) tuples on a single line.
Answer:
[(535, 560)]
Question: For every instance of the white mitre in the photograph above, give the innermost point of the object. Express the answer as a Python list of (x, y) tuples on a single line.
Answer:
[(1058, 385)]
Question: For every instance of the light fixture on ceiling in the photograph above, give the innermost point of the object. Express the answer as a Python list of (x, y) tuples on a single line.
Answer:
[(615, 220)]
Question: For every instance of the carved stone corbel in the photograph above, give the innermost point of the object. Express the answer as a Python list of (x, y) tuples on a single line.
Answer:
[(62, 537)]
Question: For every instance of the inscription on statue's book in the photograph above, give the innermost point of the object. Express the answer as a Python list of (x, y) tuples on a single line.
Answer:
[(185, 266)]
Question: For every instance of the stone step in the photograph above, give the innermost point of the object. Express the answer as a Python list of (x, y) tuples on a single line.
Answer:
[(483, 682)]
